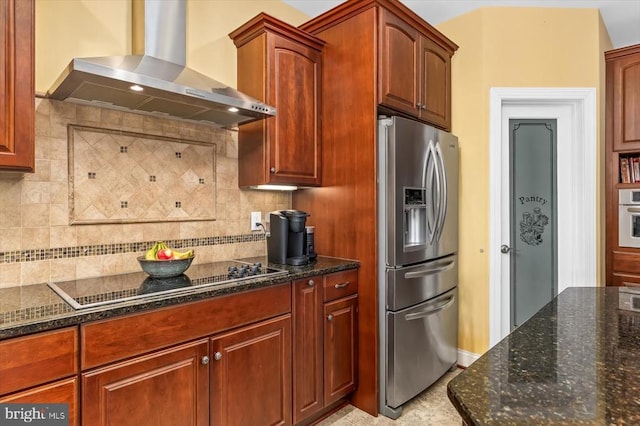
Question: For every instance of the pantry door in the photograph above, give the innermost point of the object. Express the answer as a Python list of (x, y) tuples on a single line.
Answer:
[(532, 248), (574, 110)]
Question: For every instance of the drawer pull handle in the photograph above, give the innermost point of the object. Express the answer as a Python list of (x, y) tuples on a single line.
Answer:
[(204, 360), (217, 356), (310, 283), (343, 285)]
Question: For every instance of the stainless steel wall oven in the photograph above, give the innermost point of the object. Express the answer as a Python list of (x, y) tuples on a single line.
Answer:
[(629, 218)]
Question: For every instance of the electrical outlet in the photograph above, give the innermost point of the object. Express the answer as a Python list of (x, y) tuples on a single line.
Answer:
[(256, 217)]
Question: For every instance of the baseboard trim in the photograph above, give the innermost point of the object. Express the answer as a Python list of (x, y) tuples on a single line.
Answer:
[(466, 358)]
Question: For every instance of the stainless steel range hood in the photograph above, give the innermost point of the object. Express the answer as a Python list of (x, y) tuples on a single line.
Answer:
[(157, 82)]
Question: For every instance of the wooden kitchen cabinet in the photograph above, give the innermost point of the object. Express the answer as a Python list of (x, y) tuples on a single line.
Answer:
[(344, 209), (308, 376), (17, 87), (340, 347), (415, 71), (225, 360), (49, 377), (622, 143), (169, 387), (60, 392), (251, 375), (281, 66), (340, 334), (324, 343), (623, 97)]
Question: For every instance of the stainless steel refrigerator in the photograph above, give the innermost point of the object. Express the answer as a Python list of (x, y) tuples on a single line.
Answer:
[(418, 270)]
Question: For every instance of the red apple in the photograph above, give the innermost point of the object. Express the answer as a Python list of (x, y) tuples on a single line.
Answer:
[(165, 254)]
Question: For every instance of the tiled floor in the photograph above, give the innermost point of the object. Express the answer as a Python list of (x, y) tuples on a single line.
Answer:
[(431, 407)]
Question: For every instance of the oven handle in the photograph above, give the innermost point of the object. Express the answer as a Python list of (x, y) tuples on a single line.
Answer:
[(422, 314), (633, 209), (430, 271)]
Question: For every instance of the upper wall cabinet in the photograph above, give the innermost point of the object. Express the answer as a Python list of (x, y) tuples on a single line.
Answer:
[(623, 97), (17, 93), (415, 70), (281, 66)]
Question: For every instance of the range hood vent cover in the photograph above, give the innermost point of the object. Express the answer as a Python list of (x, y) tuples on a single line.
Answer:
[(169, 88)]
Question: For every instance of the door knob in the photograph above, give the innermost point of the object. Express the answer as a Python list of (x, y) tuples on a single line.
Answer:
[(505, 248)]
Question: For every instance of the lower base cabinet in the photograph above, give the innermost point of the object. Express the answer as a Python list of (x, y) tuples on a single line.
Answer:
[(60, 392), (281, 355), (242, 377), (251, 375), (41, 368), (170, 387), (340, 350), (325, 311)]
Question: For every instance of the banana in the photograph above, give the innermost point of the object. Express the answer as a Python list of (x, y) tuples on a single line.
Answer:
[(152, 253), (182, 255)]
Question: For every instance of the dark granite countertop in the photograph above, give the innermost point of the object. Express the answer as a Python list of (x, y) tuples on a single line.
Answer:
[(577, 361), (29, 309)]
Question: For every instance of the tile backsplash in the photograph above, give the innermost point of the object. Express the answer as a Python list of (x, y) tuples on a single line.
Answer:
[(126, 177), (41, 238)]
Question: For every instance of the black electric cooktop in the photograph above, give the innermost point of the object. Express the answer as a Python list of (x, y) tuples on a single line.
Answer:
[(91, 292)]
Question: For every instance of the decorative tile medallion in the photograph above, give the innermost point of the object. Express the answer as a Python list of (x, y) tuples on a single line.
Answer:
[(125, 177)]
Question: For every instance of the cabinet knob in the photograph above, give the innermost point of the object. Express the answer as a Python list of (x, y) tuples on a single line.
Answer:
[(310, 283), (330, 317), (204, 360), (272, 170), (418, 106), (217, 356)]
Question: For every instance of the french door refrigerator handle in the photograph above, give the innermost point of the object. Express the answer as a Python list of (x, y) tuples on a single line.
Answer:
[(442, 210), (422, 314), (441, 267), (431, 231)]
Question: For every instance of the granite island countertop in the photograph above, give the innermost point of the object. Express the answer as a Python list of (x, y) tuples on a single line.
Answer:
[(34, 308), (576, 361)]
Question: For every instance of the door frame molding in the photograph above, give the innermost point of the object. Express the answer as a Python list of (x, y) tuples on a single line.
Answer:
[(576, 179)]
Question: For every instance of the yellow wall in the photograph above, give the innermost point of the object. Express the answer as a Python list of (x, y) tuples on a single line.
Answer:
[(83, 28), (508, 47)]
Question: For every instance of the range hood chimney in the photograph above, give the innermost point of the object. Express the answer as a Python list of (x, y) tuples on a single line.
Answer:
[(155, 80)]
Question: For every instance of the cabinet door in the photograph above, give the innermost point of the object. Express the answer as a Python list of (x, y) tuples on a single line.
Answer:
[(624, 82), (340, 348), (398, 81), (307, 348), (17, 93), (166, 388), (294, 133), (435, 84), (251, 375), (60, 392)]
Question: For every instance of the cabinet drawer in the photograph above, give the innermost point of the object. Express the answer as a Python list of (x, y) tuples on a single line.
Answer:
[(340, 284), (119, 338), (625, 280), (37, 359), (626, 262)]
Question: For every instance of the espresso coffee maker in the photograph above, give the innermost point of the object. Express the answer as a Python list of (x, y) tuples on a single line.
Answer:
[(287, 242)]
